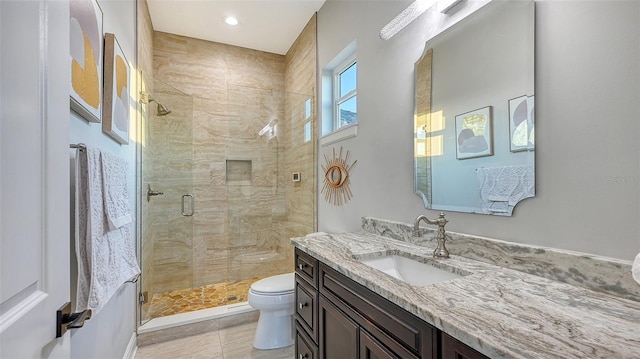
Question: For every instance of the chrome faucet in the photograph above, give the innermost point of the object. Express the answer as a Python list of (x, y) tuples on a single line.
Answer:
[(440, 251)]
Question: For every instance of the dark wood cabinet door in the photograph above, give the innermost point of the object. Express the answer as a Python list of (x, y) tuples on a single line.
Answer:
[(454, 349), (370, 348), (339, 335)]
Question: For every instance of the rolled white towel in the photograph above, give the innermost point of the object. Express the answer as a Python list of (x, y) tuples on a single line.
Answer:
[(635, 269)]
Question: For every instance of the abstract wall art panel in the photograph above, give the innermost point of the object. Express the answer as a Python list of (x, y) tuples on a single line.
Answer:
[(474, 134), (117, 99), (86, 59)]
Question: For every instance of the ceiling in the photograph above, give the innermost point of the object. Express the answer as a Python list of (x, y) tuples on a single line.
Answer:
[(265, 25)]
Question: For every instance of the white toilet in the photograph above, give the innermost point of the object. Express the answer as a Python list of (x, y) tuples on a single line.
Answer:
[(274, 297)]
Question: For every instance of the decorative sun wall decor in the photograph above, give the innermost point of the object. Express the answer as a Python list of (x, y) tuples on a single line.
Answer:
[(336, 179)]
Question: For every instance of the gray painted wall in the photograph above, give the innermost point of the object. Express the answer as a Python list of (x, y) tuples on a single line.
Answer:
[(587, 128), (108, 332)]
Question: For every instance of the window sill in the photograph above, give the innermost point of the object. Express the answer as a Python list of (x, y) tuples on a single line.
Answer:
[(341, 134)]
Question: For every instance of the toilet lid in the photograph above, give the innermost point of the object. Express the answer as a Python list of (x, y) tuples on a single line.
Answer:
[(278, 284)]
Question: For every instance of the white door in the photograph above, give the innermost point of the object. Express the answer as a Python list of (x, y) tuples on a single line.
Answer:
[(34, 177)]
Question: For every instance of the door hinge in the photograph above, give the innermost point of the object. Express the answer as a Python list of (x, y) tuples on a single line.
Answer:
[(143, 297)]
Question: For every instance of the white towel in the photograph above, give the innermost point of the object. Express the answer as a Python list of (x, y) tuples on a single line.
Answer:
[(635, 269), (106, 258), (116, 192), (501, 188)]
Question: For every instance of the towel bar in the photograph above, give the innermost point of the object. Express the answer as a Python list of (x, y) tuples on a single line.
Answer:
[(66, 320), (80, 146), (134, 279)]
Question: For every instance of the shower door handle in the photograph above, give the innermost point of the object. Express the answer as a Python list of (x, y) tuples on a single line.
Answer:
[(191, 209)]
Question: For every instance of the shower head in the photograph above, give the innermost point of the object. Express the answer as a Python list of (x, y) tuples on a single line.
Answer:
[(162, 109)]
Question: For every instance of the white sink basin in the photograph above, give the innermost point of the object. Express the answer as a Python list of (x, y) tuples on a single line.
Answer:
[(409, 270)]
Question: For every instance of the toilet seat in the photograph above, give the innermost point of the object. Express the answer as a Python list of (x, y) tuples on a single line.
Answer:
[(273, 286)]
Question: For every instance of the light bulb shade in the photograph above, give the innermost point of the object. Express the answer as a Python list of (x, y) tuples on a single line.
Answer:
[(231, 20)]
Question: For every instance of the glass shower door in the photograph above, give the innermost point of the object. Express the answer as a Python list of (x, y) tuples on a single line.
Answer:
[(167, 199)]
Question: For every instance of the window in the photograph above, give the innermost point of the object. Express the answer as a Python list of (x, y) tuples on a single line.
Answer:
[(338, 98), (345, 91)]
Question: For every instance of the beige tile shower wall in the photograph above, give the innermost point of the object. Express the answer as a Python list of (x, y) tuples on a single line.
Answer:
[(145, 65), (235, 93), (300, 85)]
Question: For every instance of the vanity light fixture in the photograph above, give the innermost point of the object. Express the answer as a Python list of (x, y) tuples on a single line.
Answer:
[(417, 8), (231, 20), (445, 5), (405, 18)]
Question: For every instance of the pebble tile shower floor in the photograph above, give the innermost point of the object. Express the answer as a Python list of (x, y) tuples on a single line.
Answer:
[(192, 299)]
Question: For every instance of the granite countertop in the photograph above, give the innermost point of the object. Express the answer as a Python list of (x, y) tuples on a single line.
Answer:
[(500, 312)]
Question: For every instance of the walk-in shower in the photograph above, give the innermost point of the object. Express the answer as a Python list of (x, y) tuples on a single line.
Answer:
[(227, 207)]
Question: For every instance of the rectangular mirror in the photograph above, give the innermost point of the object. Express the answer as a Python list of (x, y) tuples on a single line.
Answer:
[(474, 143)]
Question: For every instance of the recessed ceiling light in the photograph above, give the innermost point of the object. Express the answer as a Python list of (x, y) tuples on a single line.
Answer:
[(231, 20)]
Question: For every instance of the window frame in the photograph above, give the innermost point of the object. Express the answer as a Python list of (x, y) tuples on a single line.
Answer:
[(339, 100)]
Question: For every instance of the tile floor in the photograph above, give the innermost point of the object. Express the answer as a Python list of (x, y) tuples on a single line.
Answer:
[(191, 299), (228, 343)]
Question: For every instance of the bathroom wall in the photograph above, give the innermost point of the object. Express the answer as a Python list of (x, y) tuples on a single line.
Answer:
[(300, 154), (109, 332), (587, 84)]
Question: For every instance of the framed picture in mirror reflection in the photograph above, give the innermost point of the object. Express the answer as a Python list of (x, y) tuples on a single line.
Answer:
[(521, 124), (474, 134)]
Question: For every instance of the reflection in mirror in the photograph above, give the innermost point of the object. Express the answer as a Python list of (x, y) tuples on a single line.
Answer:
[(474, 112)]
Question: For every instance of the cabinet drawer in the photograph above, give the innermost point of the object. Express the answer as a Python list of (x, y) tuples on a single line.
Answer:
[(307, 267), (307, 307), (305, 347), (379, 315)]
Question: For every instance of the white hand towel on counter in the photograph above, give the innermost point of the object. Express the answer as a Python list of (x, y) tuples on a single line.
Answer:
[(635, 269), (106, 258)]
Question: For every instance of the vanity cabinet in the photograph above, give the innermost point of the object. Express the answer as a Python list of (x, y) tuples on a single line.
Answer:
[(337, 318), (358, 323)]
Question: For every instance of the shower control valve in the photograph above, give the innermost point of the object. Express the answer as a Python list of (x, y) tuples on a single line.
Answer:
[(151, 193)]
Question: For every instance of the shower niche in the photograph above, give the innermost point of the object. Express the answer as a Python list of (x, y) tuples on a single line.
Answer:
[(238, 172)]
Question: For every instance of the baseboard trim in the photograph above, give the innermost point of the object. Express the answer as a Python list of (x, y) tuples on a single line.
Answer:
[(132, 347)]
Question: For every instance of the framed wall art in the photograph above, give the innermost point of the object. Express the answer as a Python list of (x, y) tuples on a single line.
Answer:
[(474, 134), (117, 90), (86, 59)]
